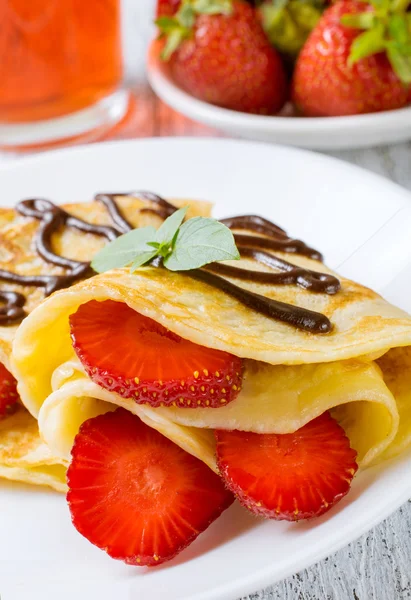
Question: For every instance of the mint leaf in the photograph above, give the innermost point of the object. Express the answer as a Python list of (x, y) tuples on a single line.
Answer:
[(142, 259), (201, 241), (124, 250), (165, 234)]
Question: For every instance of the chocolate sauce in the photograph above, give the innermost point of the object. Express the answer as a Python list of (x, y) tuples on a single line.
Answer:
[(164, 209), (291, 274), (51, 218), (12, 309), (253, 247), (298, 317), (278, 239), (117, 217)]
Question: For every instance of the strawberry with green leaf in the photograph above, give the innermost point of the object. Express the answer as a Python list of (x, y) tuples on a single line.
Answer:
[(357, 60), (218, 52)]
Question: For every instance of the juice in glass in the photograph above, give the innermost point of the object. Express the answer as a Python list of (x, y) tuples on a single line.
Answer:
[(57, 57)]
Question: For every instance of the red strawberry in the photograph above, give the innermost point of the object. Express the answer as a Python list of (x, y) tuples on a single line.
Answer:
[(344, 71), (135, 494), (292, 476), (225, 59), (8, 391), (132, 355), (167, 8)]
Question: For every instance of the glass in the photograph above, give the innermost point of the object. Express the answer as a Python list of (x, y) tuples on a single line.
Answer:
[(60, 69)]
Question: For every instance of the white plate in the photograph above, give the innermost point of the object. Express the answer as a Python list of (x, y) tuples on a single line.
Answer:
[(362, 224), (320, 133)]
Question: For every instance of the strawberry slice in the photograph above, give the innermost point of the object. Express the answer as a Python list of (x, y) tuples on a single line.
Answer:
[(135, 494), (8, 392), (292, 476), (132, 355)]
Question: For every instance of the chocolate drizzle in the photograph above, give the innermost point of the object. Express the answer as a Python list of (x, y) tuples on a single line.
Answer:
[(305, 278), (252, 247), (12, 309), (301, 318), (51, 218), (118, 219), (277, 237)]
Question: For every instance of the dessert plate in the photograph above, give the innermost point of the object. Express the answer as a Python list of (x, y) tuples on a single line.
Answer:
[(320, 133), (360, 221)]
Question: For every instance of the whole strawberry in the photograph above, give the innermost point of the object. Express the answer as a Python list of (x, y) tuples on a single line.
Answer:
[(343, 70), (218, 52)]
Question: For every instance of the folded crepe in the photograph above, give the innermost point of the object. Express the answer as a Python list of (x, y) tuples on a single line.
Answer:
[(23, 454), (360, 370)]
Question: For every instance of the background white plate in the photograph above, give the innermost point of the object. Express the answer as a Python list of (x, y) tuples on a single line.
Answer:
[(320, 133), (360, 221)]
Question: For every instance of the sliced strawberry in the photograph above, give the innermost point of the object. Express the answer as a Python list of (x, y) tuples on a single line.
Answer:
[(132, 355), (292, 476), (8, 392), (135, 494)]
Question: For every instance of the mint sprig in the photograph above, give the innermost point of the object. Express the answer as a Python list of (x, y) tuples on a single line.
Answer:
[(182, 246)]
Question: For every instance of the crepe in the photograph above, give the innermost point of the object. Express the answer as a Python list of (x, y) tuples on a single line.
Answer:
[(23, 454), (291, 376)]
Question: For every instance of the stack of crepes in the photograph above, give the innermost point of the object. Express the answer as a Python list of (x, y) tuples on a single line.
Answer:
[(23, 454), (360, 371)]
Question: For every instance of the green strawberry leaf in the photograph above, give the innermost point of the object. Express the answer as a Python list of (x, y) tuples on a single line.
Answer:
[(398, 28), (174, 39), (166, 24), (122, 251), (364, 20), (400, 6), (368, 43), (186, 15), (400, 62), (213, 7), (166, 233), (201, 241), (279, 4)]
